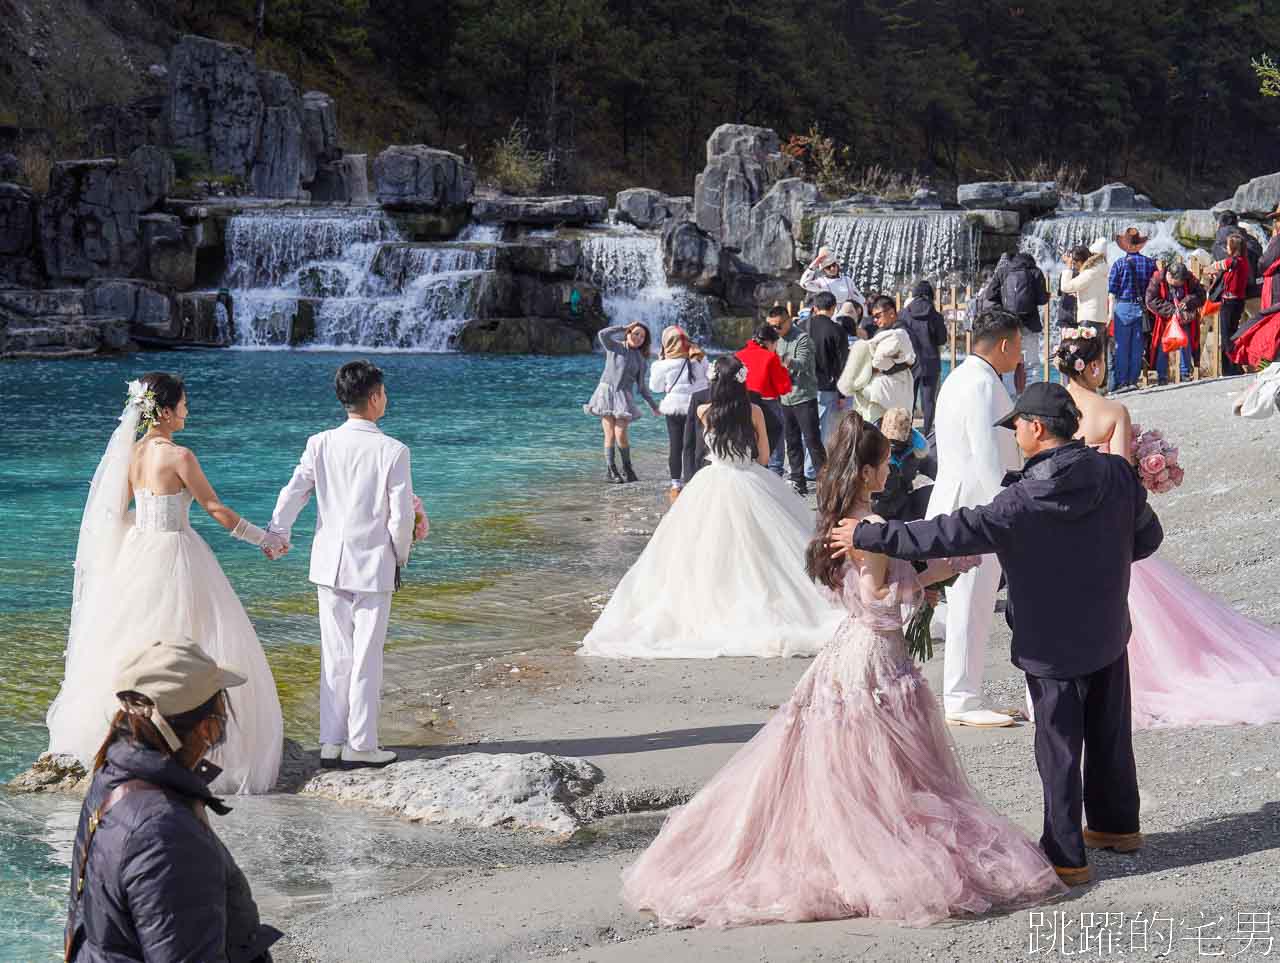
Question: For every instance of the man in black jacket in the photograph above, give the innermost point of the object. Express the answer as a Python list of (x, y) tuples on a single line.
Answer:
[(695, 436), (928, 333), (1070, 507), (1020, 288), (830, 352)]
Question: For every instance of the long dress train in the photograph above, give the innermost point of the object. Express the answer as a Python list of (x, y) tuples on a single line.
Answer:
[(722, 575), (1194, 660), (165, 584), (849, 802)]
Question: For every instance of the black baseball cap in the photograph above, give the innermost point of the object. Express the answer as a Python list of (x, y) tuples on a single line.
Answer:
[(1043, 398)]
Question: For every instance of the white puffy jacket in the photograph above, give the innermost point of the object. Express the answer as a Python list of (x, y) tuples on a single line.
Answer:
[(677, 379)]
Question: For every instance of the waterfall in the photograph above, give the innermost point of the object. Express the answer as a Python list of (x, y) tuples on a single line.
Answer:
[(345, 279), (626, 265), (884, 251), (1047, 239)]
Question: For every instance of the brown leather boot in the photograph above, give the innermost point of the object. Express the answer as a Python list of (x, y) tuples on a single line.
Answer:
[(1116, 842)]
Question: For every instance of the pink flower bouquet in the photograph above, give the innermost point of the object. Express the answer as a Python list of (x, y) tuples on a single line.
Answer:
[(421, 524), (1157, 460)]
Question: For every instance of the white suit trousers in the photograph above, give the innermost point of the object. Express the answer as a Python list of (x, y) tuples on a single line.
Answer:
[(970, 611), (353, 630)]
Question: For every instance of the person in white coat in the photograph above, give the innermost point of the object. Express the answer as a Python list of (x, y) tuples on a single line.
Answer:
[(877, 375), (1090, 286), (824, 274), (973, 457), (364, 530)]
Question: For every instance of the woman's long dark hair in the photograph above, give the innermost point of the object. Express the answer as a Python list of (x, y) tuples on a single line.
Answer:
[(856, 445), (733, 433), (136, 727)]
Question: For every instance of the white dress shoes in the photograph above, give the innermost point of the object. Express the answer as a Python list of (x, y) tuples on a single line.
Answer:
[(330, 754), (366, 758), (979, 719)]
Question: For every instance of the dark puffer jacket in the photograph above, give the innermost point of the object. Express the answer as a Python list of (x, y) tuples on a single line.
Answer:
[(159, 884), (928, 331)]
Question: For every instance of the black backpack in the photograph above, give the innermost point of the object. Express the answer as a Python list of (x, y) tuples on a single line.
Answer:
[(1020, 294)]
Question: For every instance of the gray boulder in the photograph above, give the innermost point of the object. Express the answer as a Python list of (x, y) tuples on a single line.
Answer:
[(646, 208), (926, 198), (514, 791), (117, 130), (1025, 197), (742, 164), (171, 250), (769, 247), (89, 220), (1197, 228), (215, 103), (690, 255), (521, 336), (138, 302), (155, 172), (1110, 197), (344, 181), (60, 773), (319, 133), (568, 209), (278, 164), (1255, 199), (18, 207), (417, 177)]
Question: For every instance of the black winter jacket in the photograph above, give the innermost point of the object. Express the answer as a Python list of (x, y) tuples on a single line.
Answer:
[(830, 349), (159, 884), (994, 289), (928, 333), (1071, 509)]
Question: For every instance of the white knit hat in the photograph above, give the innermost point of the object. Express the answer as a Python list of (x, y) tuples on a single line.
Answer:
[(1099, 246)]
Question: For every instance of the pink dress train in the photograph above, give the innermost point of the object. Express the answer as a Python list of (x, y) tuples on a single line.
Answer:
[(849, 802), (1193, 660)]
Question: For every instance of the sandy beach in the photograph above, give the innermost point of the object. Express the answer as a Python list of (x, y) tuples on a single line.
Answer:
[(659, 730)]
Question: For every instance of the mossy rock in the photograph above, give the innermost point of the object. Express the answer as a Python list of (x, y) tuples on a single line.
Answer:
[(521, 336), (732, 332)]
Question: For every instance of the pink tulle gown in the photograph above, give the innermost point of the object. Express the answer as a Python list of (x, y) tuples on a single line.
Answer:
[(849, 802), (1193, 660)]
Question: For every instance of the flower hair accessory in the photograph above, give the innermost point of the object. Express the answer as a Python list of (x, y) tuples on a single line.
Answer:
[(739, 376), (143, 399), (1084, 331)]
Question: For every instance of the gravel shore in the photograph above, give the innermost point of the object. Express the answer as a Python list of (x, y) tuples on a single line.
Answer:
[(660, 729)]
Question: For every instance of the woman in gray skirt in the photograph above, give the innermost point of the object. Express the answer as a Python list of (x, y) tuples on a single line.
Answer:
[(626, 350)]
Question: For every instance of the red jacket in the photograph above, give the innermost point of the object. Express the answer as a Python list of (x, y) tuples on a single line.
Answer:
[(1163, 301), (766, 374)]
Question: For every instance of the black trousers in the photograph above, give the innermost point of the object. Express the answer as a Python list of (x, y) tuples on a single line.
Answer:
[(1088, 715), (772, 423), (801, 425), (927, 400), (1229, 316), (675, 446)]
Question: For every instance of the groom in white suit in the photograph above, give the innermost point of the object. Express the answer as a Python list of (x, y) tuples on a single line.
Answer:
[(364, 529), (973, 456)]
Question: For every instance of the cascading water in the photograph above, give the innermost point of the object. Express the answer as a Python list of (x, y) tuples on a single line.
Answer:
[(1047, 239), (884, 251), (626, 265), (338, 279)]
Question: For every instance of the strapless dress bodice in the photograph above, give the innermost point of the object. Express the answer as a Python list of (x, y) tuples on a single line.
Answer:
[(745, 461), (161, 513)]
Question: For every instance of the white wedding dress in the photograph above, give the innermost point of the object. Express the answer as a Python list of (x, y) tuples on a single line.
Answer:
[(723, 575), (147, 576)]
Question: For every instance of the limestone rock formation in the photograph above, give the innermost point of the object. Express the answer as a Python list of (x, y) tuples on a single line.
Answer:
[(343, 181), (516, 791), (155, 172), (1197, 228), (1115, 197), (18, 236), (742, 164), (773, 226), (215, 103), (171, 250), (646, 208), (52, 773), (89, 220), (568, 209), (692, 256), (1028, 198), (1255, 199), (521, 336), (278, 164), (418, 177), (320, 133), (145, 304)]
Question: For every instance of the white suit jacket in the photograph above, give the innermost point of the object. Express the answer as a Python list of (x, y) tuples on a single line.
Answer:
[(973, 454), (364, 506)]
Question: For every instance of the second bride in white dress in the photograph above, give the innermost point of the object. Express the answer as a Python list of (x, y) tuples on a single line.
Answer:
[(147, 576), (723, 574)]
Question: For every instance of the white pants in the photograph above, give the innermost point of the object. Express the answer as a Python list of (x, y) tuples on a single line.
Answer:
[(353, 630), (970, 611)]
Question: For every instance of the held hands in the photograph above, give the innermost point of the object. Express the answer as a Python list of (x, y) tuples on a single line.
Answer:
[(275, 546)]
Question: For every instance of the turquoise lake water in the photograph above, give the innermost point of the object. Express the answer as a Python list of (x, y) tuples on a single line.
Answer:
[(491, 438)]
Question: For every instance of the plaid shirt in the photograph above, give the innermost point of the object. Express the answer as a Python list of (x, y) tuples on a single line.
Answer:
[(1130, 276)]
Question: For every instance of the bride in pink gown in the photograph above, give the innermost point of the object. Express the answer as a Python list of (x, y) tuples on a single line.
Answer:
[(850, 801), (1193, 660)]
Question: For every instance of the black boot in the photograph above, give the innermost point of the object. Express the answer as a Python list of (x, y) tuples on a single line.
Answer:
[(627, 471), (611, 470)]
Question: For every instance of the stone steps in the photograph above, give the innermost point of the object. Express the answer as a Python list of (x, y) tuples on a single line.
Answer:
[(65, 302), (60, 336)]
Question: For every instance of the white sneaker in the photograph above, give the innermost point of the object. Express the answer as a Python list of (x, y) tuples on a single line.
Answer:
[(367, 758), (980, 719), (330, 754)]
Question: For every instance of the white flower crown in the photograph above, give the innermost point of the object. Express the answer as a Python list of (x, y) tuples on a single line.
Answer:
[(1084, 331), (144, 399), (739, 376)]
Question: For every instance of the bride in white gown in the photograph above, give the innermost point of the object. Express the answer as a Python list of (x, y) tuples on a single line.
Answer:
[(723, 574), (146, 576)]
